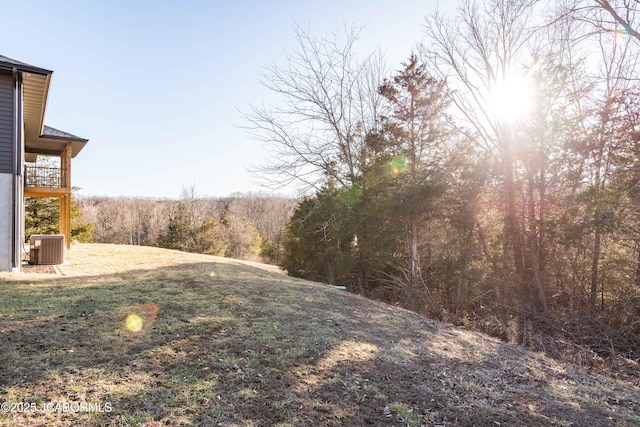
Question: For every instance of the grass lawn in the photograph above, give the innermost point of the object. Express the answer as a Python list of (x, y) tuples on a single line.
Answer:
[(136, 336)]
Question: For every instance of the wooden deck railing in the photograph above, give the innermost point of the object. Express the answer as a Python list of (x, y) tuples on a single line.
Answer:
[(44, 177)]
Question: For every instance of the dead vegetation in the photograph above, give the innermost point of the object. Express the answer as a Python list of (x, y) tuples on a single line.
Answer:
[(220, 342)]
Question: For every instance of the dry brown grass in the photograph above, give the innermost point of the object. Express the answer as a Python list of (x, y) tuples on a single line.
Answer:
[(249, 347)]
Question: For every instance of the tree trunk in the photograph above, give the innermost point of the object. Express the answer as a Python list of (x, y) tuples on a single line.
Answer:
[(534, 247), (595, 265), (637, 281), (542, 217), (414, 263), (512, 225)]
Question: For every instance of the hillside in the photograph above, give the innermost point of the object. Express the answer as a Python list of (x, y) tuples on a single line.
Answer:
[(220, 342)]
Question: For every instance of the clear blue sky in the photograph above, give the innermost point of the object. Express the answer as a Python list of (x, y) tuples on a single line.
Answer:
[(157, 86)]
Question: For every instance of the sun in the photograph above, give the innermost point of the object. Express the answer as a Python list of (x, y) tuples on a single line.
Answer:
[(510, 98)]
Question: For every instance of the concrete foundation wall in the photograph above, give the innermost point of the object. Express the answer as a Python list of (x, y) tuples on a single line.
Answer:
[(6, 221)]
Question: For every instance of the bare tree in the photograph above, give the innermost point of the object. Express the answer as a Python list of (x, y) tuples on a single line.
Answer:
[(612, 78), (624, 16), (134, 221), (487, 45), (267, 212), (328, 103), (619, 17)]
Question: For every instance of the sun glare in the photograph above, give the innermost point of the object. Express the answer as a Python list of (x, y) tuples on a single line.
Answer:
[(141, 316), (510, 98), (134, 323)]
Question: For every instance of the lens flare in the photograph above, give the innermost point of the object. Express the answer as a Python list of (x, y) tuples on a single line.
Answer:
[(626, 30), (141, 317), (398, 166), (134, 323)]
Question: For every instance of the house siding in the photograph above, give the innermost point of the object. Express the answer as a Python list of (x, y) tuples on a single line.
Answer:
[(7, 120), (7, 182)]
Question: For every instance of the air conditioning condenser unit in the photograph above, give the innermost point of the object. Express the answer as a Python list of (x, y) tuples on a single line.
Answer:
[(46, 249)]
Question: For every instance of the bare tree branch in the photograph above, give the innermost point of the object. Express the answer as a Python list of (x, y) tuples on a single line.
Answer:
[(624, 22), (328, 101)]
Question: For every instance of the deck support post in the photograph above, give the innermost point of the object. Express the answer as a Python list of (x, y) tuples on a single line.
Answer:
[(65, 200)]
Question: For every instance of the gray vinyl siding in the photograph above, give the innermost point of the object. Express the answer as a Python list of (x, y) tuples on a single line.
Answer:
[(7, 121)]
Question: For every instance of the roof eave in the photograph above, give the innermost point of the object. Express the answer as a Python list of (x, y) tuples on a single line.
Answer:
[(55, 146), (44, 100), (35, 96), (25, 68), (63, 138)]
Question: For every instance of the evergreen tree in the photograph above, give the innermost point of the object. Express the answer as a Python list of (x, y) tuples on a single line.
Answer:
[(176, 235), (415, 129), (81, 230), (42, 216), (315, 242)]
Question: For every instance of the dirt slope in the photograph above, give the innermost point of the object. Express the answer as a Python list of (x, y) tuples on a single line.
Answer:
[(131, 336)]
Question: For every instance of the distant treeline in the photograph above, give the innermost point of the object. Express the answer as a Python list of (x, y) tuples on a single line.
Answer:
[(246, 226)]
